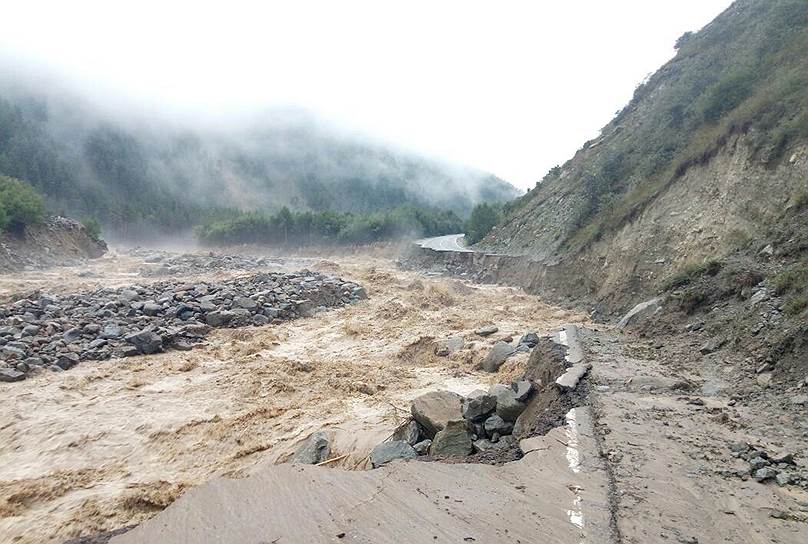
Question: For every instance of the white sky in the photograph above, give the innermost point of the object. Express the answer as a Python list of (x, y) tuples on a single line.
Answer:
[(510, 87)]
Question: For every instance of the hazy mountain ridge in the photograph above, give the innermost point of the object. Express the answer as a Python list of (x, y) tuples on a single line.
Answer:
[(129, 170)]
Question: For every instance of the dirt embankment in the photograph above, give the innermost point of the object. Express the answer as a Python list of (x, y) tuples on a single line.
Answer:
[(57, 241)]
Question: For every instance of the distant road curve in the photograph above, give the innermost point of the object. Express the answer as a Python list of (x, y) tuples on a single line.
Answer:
[(450, 242)]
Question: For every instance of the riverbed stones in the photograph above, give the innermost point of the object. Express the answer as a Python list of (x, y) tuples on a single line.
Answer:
[(433, 410), (107, 323), (453, 441), (390, 451), (496, 356), (315, 449)]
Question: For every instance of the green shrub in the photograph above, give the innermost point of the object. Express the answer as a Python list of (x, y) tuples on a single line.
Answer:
[(483, 218), (93, 227), (21, 205), (286, 227), (692, 272)]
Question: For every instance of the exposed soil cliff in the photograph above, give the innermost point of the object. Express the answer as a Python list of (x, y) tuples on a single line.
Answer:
[(57, 241)]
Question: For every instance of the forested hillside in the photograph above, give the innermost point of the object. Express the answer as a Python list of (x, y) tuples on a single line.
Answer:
[(141, 173)]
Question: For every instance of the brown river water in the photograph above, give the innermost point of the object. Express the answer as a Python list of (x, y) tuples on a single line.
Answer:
[(109, 444)]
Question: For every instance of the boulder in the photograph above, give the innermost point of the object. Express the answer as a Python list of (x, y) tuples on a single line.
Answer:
[(433, 410), (67, 360), (508, 408), (522, 389), (110, 332), (315, 449), (389, 451), (529, 339), (496, 425), (409, 433), (219, 318), (245, 303), (496, 356), (422, 447), (477, 405), (486, 330), (10, 375), (151, 308), (483, 445), (146, 341), (641, 311), (453, 441), (444, 348)]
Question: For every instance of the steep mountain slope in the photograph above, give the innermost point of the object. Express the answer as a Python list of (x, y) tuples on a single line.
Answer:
[(126, 170), (696, 193), (710, 150)]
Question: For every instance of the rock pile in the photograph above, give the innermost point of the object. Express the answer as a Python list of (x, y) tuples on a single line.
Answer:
[(164, 263), (446, 424), (56, 332), (764, 466)]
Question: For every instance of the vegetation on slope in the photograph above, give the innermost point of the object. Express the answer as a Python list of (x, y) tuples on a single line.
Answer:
[(20, 205), (746, 72), (328, 227)]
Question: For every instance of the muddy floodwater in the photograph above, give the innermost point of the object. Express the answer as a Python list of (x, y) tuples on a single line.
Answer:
[(109, 444)]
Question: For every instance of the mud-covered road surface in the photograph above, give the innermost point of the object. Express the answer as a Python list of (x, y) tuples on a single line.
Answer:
[(110, 444)]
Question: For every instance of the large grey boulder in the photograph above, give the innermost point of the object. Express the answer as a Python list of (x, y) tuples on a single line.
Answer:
[(641, 311), (496, 356), (453, 441), (146, 342), (477, 405), (315, 449), (10, 375), (434, 409), (219, 318), (508, 407), (388, 451)]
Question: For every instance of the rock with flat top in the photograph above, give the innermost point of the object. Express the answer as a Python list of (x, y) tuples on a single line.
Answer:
[(11, 375), (433, 410), (389, 451)]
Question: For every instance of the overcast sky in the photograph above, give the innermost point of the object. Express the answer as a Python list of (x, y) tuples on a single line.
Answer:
[(509, 87)]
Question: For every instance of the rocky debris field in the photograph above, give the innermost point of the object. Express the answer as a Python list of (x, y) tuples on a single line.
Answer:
[(164, 263), (40, 331), (445, 425), (483, 425)]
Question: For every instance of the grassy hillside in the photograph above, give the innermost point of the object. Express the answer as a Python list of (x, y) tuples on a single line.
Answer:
[(744, 74), (136, 173)]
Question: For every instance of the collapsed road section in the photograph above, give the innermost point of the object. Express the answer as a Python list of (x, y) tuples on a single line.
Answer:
[(558, 491)]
